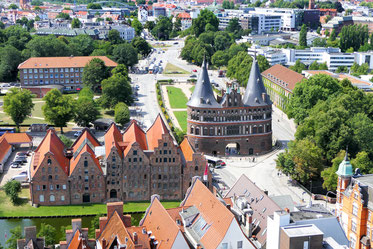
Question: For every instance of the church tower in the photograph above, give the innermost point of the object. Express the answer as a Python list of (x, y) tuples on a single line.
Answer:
[(344, 178)]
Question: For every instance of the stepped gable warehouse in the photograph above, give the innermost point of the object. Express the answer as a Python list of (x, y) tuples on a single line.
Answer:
[(214, 124), (128, 167), (65, 71)]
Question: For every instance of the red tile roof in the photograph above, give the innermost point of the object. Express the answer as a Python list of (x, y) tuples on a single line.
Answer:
[(187, 150), (85, 136), (86, 148), (163, 227), (53, 144), (184, 15), (213, 212), (18, 138), (112, 138), (77, 242), (278, 73), (4, 147), (58, 62), (155, 132), (134, 133)]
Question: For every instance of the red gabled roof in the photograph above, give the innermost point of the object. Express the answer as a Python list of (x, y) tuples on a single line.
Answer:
[(17, 138), (51, 143), (155, 132), (85, 136), (134, 133), (184, 15), (77, 242), (86, 148), (187, 150), (112, 138), (4, 147), (163, 227)]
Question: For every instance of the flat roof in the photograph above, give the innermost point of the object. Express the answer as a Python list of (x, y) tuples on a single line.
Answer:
[(302, 230)]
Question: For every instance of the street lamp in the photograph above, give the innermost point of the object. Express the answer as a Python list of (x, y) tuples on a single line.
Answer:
[(326, 199)]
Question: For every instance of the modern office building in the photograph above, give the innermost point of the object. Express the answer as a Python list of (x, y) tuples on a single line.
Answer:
[(64, 71)]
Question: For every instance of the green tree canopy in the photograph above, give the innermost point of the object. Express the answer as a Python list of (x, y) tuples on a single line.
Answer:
[(16, 234), (94, 73), (303, 36), (12, 189), (220, 58), (141, 45), (162, 28), (205, 21), (58, 109), (94, 6), (125, 54), (63, 15), (18, 105), (75, 23), (87, 111), (49, 233), (136, 24), (67, 141), (122, 114), (47, 46), (114, 37)]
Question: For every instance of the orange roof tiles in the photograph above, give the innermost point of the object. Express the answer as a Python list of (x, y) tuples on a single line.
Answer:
[(86, 148), (17, 138), (184, 15), (115, 228), (112, 138), (142, 238), (53, 144), (58, 62), (85, 136), (163, 227), (213, 212), (155, 132), (4, 147), (320, 72), (174, 213), (76, 242), (187, 150), (284, 74), (134, 133)]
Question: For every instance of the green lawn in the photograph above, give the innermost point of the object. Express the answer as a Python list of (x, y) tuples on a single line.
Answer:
[(7, 209), (177, 97), (192, 89), (213, 88), (181, 117), (172, 69)]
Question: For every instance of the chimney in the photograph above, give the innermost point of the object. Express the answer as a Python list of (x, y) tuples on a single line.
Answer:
[(266, 192), (76, 224), (229, 206), (97, 232), (69, 235), (103, 221), (114, 206), (249, 225), (264, 96), (135, 238), (30, 233), (63, 245), (199, 246), (287, 210), (85, 233), (103, 243), (153, 243)]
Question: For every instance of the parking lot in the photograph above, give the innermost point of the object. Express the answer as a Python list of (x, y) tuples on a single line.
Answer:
[(10, 172)]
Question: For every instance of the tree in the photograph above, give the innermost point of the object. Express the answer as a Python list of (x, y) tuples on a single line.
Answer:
[(63, 15), (12, 189), (16, 234), (47, 46), (319, 42), (303, 36), (86, 112), (298, 67), (228, 4), (9, 59), (342, 69), (333, 35), (220, 58), (222, 41), (136, 24), (206, 20), (308, 93), (18, 105), (162, 28), (49, 233), (114, 37), (234, 27), (149, 25), (141, 45), (358, 70), (81, 45), (363, 162), (67, 141), (318, 30), (94, 6), (58, 109), (353, 36), (116, 89), (125, 54), (13, 6), (75, 23), (329, 174), (121, 114), (94, 73)]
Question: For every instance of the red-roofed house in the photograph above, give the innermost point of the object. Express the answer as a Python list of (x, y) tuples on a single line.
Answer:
[(186, 20), (77, 237), (5, 152)]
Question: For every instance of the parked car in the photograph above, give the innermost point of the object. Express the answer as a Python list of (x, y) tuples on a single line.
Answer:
[(77, 134), (21, 158), (18, 161), (15, 165), (19, 178), (222, 163), (137, 87), (193, 76), (195, 70), (22, 153), (23, 173)]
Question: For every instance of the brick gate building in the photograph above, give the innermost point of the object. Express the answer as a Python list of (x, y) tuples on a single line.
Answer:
[(233, 119)]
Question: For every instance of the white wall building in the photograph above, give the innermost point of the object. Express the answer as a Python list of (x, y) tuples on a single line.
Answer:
[(288, 16), (274, 56), (126, 32)]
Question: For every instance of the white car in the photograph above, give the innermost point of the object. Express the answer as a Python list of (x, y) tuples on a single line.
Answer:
[(20, 178), (77, 134)]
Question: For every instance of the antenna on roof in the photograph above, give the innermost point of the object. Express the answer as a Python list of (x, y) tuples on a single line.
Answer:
[(346, 156)]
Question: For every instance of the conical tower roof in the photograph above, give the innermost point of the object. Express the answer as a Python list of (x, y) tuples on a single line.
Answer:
[(203, 95), (255, 93), (345, 167)]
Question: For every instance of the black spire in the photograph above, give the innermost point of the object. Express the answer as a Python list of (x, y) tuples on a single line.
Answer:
[(203, 95), (255, 93)]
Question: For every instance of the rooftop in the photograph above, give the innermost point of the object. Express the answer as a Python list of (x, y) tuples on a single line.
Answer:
[(302, 230)]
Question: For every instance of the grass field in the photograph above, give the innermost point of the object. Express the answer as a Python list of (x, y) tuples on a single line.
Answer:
[(172, 69), (177, 97), (181, 117), (7, 209)]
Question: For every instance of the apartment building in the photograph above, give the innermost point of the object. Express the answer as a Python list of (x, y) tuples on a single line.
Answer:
[(127, 167), (63, 71), (280, 82)]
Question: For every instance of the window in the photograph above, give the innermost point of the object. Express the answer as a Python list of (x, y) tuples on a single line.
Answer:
[(239, 244), (135, 152), (63, 186), (38, 187), (355, 208), (165, 160), (51, 187), (85, 163), (41, 198), (224, 246), (62, 197), (352, 242), (52, 198), (44, 187), (57, 187), (56, 177), (369, 215), (353, 225)]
